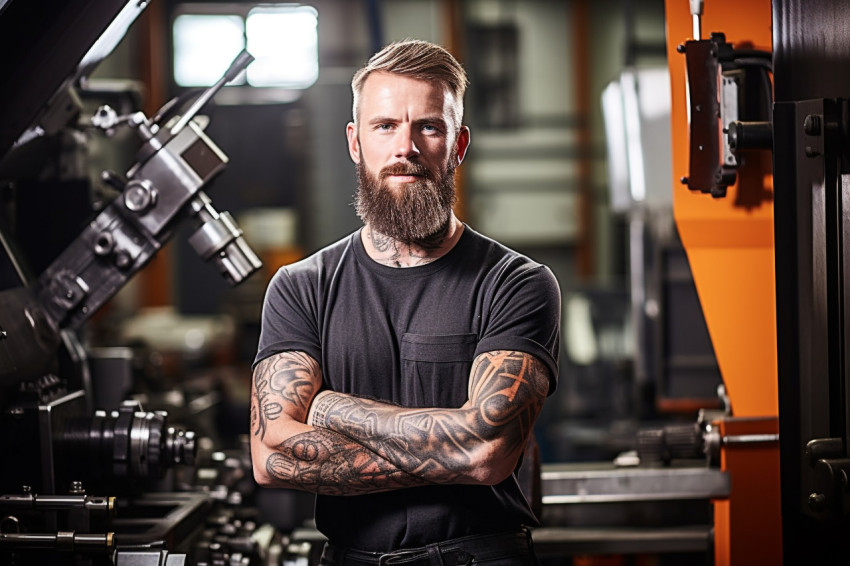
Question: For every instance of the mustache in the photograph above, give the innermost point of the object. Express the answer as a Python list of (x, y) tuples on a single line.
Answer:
[(405, 169)]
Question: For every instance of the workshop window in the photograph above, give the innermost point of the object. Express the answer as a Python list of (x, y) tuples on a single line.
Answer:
[(283, 40)]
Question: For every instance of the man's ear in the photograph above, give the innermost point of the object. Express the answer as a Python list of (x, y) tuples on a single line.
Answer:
[(462, 144), (353, 142)]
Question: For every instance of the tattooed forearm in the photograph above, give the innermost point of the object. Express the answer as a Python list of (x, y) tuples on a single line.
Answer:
[(427, 442), (325, 462), (507, 390), (286, 452), (289, 379)]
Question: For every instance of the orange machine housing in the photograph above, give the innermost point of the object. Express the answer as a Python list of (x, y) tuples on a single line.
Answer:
[(730, 246)]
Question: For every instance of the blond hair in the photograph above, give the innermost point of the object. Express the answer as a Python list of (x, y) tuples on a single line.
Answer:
[(419, 60)]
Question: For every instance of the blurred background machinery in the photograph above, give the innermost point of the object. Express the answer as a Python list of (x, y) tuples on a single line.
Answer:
[(89, 475)]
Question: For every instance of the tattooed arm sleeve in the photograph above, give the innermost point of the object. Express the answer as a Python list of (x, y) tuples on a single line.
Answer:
[(288, 453), (478, 443)]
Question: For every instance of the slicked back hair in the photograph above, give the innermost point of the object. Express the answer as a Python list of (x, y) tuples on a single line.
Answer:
[(419, 60)]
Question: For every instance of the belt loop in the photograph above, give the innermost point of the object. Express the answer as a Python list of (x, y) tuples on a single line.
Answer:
[(434, 555), (527, 531)]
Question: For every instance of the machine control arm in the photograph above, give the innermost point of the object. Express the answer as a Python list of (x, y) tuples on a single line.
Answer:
[(163, 187)]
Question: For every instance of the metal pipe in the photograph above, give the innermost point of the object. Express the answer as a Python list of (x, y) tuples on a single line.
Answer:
[(751, 439), (62, 540), (45, 502)]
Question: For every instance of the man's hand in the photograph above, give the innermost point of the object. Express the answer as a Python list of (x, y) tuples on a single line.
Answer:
[(478, 443)]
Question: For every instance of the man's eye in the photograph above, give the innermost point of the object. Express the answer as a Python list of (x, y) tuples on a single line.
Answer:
[(384, 127)]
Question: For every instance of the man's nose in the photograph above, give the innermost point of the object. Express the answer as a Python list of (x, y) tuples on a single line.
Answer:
[(405, 144)]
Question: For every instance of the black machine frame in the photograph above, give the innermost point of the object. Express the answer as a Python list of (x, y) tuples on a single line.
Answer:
[(811, 132)]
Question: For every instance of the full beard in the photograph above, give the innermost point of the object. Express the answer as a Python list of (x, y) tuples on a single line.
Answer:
[(417, 213)]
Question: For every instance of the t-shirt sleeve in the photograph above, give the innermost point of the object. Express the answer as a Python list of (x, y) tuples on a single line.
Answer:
[(526, 316), (289, 316)]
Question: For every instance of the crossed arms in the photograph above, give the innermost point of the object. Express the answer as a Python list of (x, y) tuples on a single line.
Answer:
[(338, 444)]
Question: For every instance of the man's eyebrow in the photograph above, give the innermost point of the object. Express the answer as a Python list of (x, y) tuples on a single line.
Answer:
[(438, 120), (382, 120), (425, 120)]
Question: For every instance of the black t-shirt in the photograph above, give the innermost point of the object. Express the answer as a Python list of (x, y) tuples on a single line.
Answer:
[(409, 336)]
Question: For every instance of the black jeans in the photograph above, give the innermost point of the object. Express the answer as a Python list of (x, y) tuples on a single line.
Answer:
[(503, 549)]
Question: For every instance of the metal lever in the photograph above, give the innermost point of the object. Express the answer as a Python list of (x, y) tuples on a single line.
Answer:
[(696, 13), (237, 66)]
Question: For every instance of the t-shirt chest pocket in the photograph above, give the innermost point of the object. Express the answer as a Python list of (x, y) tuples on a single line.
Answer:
[(435, 369)]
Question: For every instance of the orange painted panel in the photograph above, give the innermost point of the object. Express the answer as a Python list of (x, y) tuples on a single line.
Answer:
[(748, 525), (729, 241)]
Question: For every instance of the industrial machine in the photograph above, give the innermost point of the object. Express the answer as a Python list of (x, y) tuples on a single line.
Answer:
[(759, 198), (759, 125), (89, 477), (721, 65)]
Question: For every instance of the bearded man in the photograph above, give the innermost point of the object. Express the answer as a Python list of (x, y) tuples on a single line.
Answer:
[(401, 369)]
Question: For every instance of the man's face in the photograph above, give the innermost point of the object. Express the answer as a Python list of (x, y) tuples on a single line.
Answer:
[(406, 149)]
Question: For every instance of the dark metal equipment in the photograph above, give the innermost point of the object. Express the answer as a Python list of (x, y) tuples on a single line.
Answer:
[(729, 99), (812, 192), (808, 130), (83, 483), (164, 186)]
